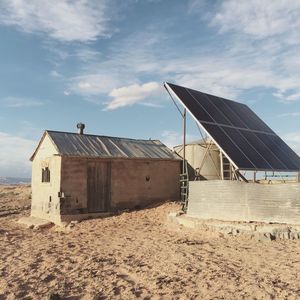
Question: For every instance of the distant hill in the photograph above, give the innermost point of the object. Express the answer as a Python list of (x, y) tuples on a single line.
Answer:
[(14, 180)]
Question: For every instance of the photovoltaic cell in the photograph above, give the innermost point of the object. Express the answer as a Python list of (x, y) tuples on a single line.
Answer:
[(210, 108), (200, 113), (234, 118), (246, 147), (241, 134), (260, 147), (229, 146)]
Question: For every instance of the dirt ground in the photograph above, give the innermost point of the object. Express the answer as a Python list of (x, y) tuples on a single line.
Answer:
[(138, 255)]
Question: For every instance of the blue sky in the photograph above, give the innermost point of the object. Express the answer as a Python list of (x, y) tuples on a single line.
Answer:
[(104, 63)]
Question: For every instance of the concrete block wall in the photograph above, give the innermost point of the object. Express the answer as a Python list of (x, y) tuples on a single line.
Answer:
[(136, 183), (133, 182), (73, 183), (239, 201)]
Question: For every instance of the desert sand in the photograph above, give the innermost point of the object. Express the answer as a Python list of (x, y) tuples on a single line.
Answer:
[(138, 255)]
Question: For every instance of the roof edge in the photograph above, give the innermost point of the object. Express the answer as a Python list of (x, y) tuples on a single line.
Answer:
[(39, 144), (178, 158), (105, 136)]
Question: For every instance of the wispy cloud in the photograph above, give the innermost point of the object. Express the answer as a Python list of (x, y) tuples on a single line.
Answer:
[(243, 66), (245, 62), (94, 84), (150, 104), (63, 20), (18, 102), (290, 114), (129, 95), (260, 18), (293, 140), (14, 155), (87, 54), (173, 138), (56, 74), (293, 97)]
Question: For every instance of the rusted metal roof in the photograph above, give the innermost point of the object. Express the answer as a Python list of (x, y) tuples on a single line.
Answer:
[(74, 144)]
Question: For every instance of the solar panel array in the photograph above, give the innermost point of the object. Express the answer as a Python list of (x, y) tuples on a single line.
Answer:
[(240, 133)]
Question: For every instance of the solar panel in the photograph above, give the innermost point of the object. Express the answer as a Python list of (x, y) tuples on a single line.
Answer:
[(245, 139)]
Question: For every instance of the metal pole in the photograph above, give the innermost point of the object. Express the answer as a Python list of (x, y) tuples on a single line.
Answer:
[(184, 139), (221, 165)]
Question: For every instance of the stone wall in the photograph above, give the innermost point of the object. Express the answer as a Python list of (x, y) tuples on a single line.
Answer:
[(239, 201)]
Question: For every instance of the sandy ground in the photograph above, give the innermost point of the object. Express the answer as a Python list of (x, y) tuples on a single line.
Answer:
[(138, 255)]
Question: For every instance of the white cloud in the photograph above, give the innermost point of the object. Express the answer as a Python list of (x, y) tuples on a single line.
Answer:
[(87, 54), (244, 63), (17, 102), (56, 74), (125, 61), (288, 95), (129, 95), (94, 84), (149, 104), (293, 140), (64, 20), (290, 114), (14, 155), (293, 97), (259, 18), (173, 138)]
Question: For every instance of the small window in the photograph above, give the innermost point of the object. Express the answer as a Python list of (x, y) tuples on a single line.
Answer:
[(45, 175)]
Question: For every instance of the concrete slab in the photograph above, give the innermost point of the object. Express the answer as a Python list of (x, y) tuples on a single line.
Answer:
[(259, 230), (34, 222)]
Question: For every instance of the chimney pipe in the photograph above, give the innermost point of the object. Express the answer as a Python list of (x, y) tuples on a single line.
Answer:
[(80, 127)]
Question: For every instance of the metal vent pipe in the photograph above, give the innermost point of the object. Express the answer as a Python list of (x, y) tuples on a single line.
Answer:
[(80, 127)]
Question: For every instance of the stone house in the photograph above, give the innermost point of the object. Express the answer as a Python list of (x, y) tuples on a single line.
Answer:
[(77, 175)]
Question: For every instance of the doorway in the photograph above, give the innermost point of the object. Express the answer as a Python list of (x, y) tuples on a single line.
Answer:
[(98, 186)]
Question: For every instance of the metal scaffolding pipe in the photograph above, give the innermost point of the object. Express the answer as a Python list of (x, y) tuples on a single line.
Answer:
[(184, 140)]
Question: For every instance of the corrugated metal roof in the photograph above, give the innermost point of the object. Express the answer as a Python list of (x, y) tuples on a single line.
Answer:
[(73, 144)]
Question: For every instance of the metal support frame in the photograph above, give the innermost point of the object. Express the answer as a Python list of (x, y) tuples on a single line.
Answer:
[(217, 171), (221, 165), (184, 139), (239, 175), (184, 178), (204, 156), (254, 176), (235, 174)]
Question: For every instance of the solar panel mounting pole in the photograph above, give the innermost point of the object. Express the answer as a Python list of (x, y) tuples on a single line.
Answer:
[(184, 176), (221, 165), (254, 176), (184, 139)]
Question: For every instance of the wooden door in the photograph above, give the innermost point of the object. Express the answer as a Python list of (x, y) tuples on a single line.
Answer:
[(98, 186)]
